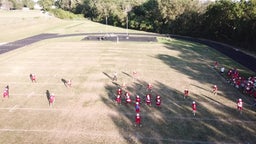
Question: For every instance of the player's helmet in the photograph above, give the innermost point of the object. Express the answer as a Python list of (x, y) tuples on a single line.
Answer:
[(137, 96), (240, 100), (137, 114), (158, 96), (137, 102), (194, 102)]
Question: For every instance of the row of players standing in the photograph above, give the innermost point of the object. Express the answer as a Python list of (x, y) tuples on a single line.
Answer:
[(148, 99), (33, 78)]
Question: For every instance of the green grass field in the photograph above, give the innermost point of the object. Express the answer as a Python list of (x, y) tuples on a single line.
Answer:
[(87, 113)]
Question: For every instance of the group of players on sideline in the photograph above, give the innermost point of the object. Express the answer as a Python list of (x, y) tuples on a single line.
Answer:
[(248, 86), (50, 96), (123, 96)]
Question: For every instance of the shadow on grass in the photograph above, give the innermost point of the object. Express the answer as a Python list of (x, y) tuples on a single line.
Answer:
[(127, 74), (47, 93), (64, 82), (107, 75), (174, 122)]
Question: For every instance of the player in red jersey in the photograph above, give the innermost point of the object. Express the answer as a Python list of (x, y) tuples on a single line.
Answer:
[(148, 99), (32, 77), (194, 108), (186, 93), (138, 99), (118, 99), (158, 101), (128, 98), (137, 107), (240, 105), (216, 64), (138, 120), (6, 92), (51, 100), (214, 89), (119, 92)]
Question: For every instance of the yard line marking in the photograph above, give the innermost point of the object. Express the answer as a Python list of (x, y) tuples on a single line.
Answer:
[(13, 108), (108, 134), (33, 109), (201, 119), (29, 95), (42, 83), (144, 115)]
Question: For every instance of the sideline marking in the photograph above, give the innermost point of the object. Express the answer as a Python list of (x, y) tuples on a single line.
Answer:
[(144, 115), (108, 134), (29, 95), (13, 108), (32, 109)]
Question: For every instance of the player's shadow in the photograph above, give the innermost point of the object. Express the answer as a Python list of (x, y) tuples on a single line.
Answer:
[(30, 76), (213, 100), (64, 82), (201, 88), (116, 84), (48, 95), (107, 75), (127, 74)]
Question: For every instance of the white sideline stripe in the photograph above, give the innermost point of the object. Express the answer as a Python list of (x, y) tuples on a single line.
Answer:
[(2, 43), (106, 134), (13, 108), (32, 109), (38, 83), (29, 95)]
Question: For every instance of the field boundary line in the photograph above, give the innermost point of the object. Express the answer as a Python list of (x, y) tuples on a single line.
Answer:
[(32, 109), (107, 134), (13, 108), (31, 94)]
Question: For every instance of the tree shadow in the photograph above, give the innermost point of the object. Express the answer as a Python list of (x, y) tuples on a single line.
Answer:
[(174, 121), (215, 122)]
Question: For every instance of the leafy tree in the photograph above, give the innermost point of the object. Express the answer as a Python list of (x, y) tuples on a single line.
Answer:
[(46, 4), (28, 3)]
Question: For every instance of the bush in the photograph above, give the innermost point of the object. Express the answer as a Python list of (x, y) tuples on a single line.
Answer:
[(59, 13)]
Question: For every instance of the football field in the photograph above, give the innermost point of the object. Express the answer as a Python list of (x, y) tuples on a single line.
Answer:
[(87, 112)]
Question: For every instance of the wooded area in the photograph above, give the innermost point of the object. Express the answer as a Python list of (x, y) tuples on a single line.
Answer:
[(229, 21)]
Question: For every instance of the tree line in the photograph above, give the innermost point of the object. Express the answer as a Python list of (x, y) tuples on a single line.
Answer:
[(232, 22), (228, 21)]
